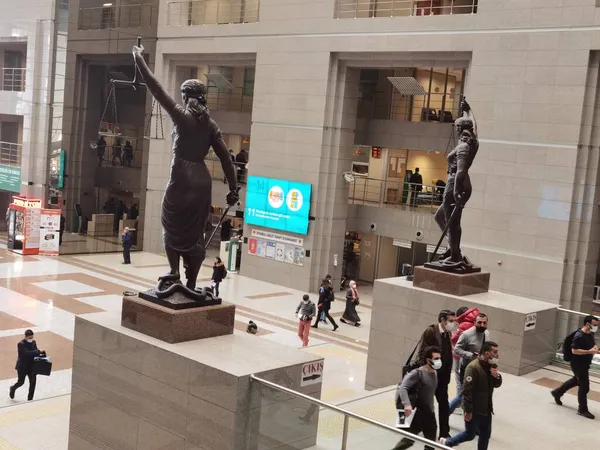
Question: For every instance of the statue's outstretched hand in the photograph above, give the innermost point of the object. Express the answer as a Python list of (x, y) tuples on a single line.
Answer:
[(232, 198), (138, 49)]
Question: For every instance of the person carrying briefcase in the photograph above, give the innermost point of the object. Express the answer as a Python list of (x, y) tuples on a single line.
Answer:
[(27, 352)]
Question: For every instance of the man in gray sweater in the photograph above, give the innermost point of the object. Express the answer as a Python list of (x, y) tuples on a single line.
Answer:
[(416, 392), (470, 343)]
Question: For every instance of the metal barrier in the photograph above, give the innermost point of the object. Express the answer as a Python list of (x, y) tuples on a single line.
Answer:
[(356, 9), (394, 193), (10, 153), (216, 170), (349, 415), (13, 79), (124, 16), (432, 107), (234, 100), (201, 12)]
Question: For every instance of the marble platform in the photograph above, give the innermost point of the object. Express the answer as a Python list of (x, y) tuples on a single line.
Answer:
[(177, 325), (451, 283), (401, 312), (133, 392)]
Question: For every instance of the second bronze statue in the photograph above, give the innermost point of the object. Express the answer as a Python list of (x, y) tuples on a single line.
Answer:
[(457, 193), (187, 199)]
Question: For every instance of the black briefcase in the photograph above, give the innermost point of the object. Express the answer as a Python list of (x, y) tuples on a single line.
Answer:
[(42, 365)]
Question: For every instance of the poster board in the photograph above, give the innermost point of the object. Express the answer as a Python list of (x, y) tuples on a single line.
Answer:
[(49, 239)]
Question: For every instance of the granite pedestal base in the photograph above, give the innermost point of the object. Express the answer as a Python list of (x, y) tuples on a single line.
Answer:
[(133, 392), (451, 283), (177, 325), (401, 312)]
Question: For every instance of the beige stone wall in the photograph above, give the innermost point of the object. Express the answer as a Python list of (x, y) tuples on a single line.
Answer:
[(526, 78)]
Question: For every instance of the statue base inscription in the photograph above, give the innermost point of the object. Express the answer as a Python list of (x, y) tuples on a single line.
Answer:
[(177, 325), (459, 284)]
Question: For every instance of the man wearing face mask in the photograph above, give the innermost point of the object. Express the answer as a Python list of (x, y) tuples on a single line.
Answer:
[(583, 348), (470, 342), (481, 378), (440, 335), (416, 392), (26, 350)]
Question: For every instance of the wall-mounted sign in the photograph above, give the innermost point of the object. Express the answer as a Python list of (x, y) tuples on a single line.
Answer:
[(10, 178), (27, 202), (376, 152), (262, 234), (312, 373), (278, 204), (277, 251)]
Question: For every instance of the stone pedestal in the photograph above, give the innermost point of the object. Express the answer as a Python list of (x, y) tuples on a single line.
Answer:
[(451, 283), (133, 392), (401, 312), (177, 325)]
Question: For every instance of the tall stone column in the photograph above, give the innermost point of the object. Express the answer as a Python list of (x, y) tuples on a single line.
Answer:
[(303, 130)]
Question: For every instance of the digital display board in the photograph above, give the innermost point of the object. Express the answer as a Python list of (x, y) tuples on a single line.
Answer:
[(278, 204)]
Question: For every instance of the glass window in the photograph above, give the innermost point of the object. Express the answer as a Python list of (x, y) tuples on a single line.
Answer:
[(249, 74)]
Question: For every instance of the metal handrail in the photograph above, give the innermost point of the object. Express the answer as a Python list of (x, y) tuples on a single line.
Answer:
[(431, 107), (10, 153), (123, 16), (355, 9), (197, 12), (349, 414), (234, 100), (570, 311)]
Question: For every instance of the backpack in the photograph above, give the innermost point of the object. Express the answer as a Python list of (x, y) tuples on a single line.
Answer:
[(567, 346)]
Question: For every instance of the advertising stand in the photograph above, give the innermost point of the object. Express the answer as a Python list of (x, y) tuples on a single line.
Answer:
[(24, 226), (49, 231)]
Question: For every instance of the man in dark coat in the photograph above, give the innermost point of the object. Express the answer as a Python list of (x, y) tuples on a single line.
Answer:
[(127, 243), (326, 296), (26, 351)]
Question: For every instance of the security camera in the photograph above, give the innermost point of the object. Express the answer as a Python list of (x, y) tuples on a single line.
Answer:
[(420, 235), (373, 227)]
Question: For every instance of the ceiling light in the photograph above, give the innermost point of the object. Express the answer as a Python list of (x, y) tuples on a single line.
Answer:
[(106, 5)]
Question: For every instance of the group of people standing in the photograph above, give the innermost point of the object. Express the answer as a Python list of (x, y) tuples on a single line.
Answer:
[(458, 344), (120, 153)]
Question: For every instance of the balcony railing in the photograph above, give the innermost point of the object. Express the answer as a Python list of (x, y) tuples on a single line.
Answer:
[(434, 107), (10, 153), (229, 101), (216, 170), (13, 79), (203, 12), (394, 193), (356, 9), (124, 16)]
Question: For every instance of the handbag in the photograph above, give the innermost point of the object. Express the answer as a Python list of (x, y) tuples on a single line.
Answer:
[(410, 364), (42, 365)]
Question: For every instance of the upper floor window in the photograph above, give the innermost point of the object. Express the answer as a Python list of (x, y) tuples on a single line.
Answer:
[(416, 94), (352, 9), (214, 12), (109, 15)]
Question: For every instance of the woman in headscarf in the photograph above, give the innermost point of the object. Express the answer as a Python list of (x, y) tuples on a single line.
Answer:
[(350, 315), (187, 200)]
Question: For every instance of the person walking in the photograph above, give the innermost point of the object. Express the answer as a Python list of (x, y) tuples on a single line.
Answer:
[(465, 317), (219, 273), (326, 296), (26, 352), (423, 383), (127, 154), (100, 149), (61, 229), (583, 348), (350, 315), (127, 239), (468, 346), (440, 335), (481, 378), (117, 153), (305, 311)]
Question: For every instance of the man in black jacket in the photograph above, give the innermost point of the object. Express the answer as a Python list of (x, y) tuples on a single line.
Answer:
[(26, 350), (439, 335), (481, 378), (127, 239)]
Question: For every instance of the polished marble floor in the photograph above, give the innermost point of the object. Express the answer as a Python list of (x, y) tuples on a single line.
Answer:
[(45, 294)]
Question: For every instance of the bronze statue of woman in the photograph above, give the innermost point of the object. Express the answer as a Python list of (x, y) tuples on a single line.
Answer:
[(187, 199), (458, 189)]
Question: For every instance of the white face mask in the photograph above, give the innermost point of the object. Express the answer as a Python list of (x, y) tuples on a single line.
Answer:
[(493, 361), (436, 364), (452, 327), (594, 328), (30, 340)]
